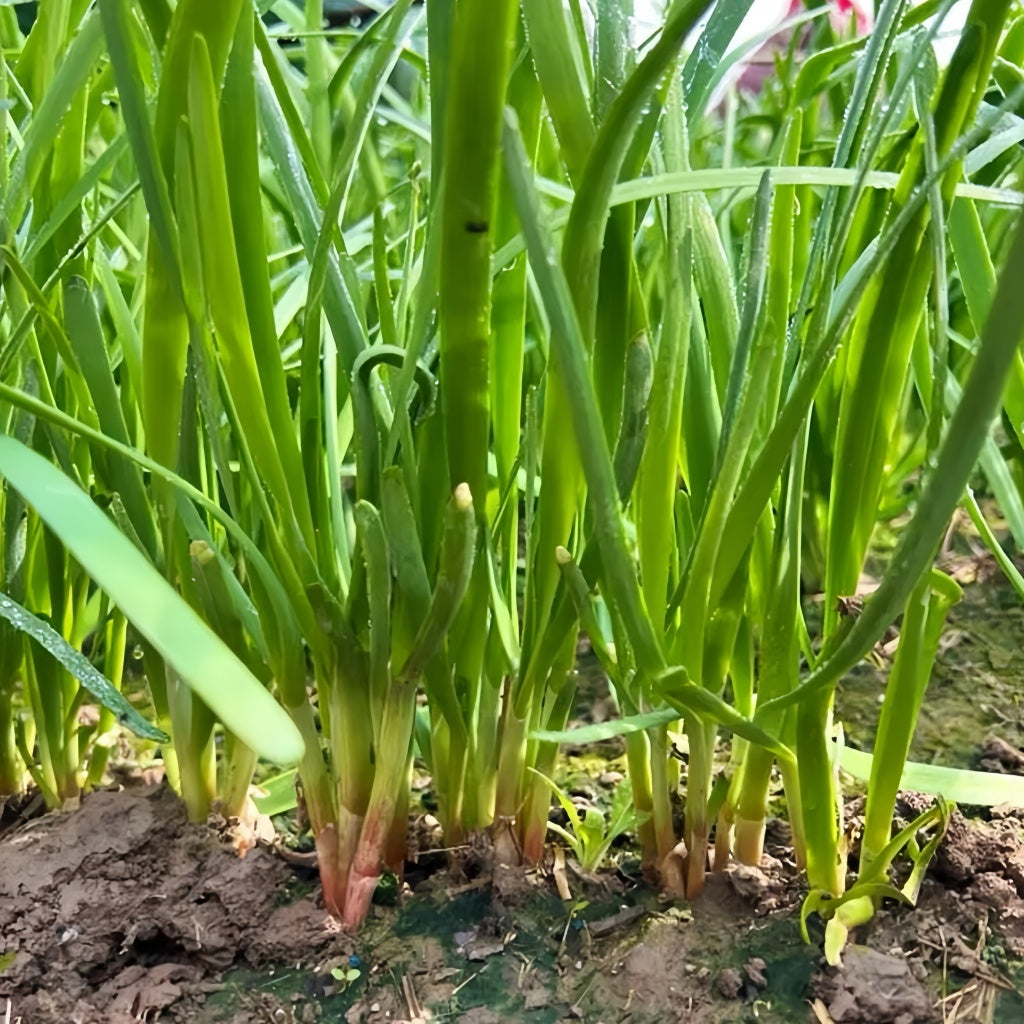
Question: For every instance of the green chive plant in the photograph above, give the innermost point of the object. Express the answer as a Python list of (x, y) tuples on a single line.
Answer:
[(364, 373), (751, 385), (888, 365), (305, 580)]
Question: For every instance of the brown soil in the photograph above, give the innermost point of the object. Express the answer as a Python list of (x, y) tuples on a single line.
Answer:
[(121, 909), (124, 912)]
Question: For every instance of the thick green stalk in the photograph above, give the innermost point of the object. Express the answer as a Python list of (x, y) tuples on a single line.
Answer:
[(233, 790), (585, 231), (537, 795), (657, 483), (115, 643), (512, 748), (156, 679), (819, 794), (165, 330), (780, 556), (47, 700), (748, 375), (663, 782), (720, 650), (554, 53), (555, 56), (316, 84), (482, 35), (53, 692), (508, 318), (320, 796), (927, 608), (779, 662), (343, 693), (482, 782), (192, 730), (394, 737), (238, 126), (654, 820), (389, 777), (11, 771), (226, 305)]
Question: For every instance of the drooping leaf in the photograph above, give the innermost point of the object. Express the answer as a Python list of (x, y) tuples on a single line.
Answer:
[(80, 667)]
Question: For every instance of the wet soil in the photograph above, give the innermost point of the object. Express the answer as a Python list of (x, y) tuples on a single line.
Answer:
[(124, 912), (977, 688)]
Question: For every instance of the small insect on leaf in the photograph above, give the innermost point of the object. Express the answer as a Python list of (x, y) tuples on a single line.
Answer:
[(849, 607)]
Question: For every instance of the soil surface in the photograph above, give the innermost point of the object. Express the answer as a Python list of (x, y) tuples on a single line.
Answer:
[(124, 912), (121, 909)]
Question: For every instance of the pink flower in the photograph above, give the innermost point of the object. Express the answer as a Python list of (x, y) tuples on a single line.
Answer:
[(840, 15), (765, 15)]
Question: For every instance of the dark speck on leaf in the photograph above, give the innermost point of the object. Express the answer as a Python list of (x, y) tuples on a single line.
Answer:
[(476, 227)]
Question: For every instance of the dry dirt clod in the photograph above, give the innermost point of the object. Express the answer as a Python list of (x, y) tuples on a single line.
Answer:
[(729, 983), (147, 906), (754, 969), (999, 756), (873, 988)]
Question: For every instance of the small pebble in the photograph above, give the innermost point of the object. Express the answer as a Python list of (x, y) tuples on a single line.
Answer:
[(729, 983), (754, 970)]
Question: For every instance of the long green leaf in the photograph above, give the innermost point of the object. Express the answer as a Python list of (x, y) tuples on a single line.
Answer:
[(79, 60), (607, 730), (979, 789)]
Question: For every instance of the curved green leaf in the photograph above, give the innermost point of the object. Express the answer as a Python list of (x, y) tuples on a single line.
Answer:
[(606, 730)]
